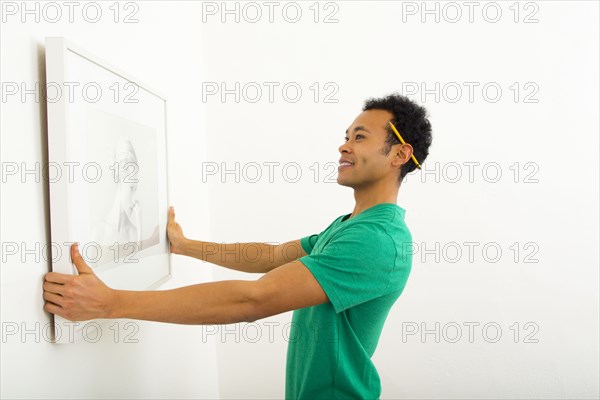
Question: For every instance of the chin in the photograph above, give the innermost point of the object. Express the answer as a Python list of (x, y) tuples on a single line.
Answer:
[(343, 183)]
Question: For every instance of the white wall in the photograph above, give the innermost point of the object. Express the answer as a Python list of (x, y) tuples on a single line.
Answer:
[(371, 51), (168, 361)]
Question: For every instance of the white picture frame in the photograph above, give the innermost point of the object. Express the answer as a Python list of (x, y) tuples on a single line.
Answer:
[(107, 173)]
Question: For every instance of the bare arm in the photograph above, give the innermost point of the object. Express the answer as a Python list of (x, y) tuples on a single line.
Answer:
[(290, 287), (250, 257), (84, 296), (245, 257)]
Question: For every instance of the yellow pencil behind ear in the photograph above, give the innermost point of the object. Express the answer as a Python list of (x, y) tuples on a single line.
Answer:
[(403, 142)]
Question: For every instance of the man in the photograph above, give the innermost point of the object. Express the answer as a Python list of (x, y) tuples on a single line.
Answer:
[(341, 282)]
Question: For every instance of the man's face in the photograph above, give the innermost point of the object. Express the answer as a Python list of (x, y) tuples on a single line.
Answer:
[(363, 147)]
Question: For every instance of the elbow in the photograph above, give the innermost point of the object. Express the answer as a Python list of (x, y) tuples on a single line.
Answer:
[(255, 304)]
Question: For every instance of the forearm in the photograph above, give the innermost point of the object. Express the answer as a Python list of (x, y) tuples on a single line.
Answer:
[(206, 303), (245, 257)]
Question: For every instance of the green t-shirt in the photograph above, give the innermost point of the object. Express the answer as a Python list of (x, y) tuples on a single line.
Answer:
[(362, 263)]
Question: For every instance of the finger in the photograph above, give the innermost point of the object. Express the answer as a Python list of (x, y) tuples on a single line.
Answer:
[(53, 308), (53, 288), (79, 262), (57, 277), (54, 298), (171, 214)]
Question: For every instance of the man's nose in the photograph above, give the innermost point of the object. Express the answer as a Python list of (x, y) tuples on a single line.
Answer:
[(345, 148)]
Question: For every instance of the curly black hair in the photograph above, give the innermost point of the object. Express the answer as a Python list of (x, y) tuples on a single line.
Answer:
[(412, 122)]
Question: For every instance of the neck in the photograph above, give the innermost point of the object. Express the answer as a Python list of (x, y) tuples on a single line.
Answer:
[(376, 193)]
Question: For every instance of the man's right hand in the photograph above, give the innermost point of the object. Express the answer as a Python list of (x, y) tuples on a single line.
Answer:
[(175, 234)]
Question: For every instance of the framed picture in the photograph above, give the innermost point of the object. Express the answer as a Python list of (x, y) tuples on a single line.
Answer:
[(107, 172)]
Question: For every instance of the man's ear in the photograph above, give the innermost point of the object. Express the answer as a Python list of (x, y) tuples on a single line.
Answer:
[(403, 154)]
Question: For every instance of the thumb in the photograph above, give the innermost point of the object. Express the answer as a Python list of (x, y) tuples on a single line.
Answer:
[(171, 215), (79, 262)]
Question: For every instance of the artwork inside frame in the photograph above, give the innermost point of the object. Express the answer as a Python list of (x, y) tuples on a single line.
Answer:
[(107, 172)]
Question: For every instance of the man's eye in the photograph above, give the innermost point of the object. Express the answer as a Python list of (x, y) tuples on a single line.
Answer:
[(357, 136)]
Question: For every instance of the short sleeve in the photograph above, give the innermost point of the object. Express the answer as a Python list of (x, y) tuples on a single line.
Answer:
[(309, 242), (355, 266)]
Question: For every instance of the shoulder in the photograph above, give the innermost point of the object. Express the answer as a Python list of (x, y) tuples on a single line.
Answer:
[(385, 221)]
